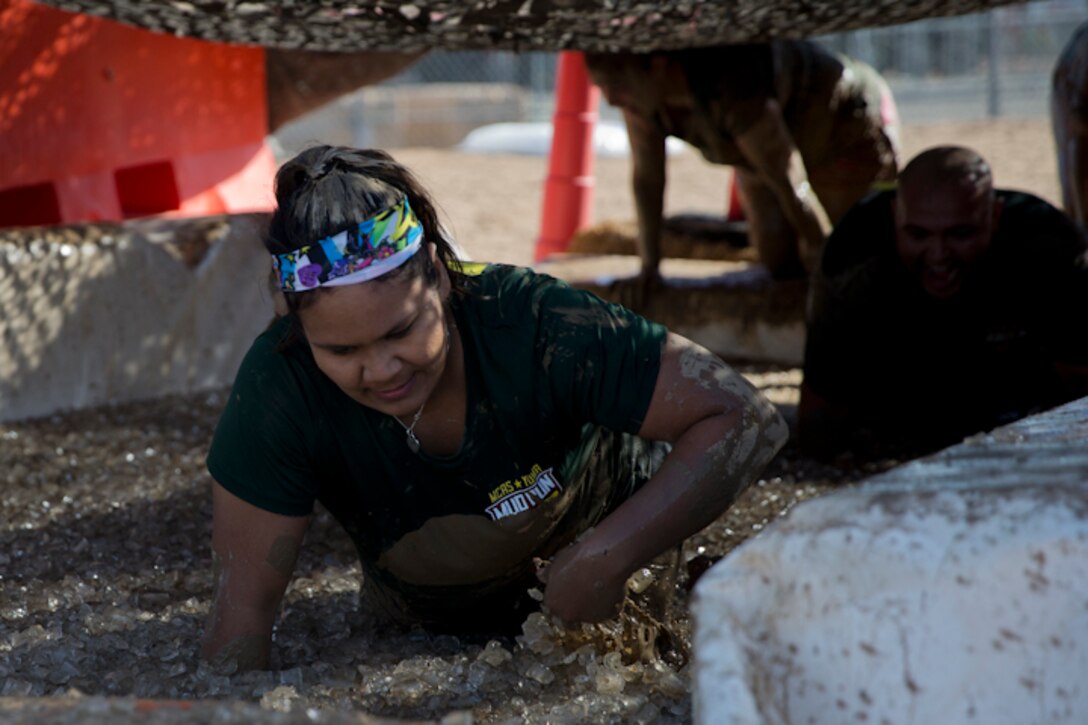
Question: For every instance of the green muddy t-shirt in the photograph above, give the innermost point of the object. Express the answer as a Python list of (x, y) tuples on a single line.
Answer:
[(557, 380)]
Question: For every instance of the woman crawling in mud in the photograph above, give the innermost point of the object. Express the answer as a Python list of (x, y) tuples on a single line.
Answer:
[(476, 429)]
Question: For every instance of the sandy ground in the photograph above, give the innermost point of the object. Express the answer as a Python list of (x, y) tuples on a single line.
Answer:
[(493, 202)]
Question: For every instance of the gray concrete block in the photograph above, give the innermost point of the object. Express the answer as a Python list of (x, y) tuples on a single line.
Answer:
[(732, 308), (131, 311)]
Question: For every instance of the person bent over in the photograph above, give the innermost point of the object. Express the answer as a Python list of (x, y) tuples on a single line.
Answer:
[(462, 422), (807, 131), (943, 308)]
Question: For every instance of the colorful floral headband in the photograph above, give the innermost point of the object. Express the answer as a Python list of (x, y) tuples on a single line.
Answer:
[(368, 250)]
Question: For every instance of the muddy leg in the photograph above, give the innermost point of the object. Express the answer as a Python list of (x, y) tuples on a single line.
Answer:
[(769, 230)]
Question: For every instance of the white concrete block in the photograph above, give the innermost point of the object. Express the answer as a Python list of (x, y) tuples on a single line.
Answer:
[(909, 600)]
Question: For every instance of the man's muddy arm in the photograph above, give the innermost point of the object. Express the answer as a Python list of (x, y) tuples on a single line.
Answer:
[(1071, 137), (1069, 119), (824, 428), (648, 185), (770, 149), (254, 553), (837, 363)]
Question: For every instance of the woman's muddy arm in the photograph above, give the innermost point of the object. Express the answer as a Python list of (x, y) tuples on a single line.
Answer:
[(254, 553), (723, 434)]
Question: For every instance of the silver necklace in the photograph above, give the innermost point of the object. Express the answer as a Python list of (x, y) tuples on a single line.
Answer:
[(409, 430), (410, 437)]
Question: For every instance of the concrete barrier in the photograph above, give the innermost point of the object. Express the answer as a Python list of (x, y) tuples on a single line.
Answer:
[(434, 115), (950, 590), (123, 312), (732, 308)]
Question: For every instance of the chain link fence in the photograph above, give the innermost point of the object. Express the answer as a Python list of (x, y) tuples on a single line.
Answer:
[(991, 64), (996, 63)]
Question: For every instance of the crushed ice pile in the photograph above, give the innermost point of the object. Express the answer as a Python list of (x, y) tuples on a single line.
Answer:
[(105, 580)]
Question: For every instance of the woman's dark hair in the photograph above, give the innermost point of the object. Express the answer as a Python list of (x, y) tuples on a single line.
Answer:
[(326, 189)]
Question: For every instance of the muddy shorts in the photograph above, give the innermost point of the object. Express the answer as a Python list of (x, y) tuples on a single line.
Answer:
[(619, 466)]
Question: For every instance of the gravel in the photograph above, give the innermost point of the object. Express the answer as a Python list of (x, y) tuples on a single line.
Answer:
[(105, 579)]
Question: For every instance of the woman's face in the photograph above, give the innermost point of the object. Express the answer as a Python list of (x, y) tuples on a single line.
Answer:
[(384, 343)]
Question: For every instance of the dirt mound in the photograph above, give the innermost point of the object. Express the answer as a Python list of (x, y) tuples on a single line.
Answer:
[(690, 236)]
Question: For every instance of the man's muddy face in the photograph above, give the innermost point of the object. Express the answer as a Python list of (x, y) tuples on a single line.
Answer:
[(941, 231)]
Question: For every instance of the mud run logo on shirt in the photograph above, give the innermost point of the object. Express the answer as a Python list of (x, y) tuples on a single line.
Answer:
[(521, 494)]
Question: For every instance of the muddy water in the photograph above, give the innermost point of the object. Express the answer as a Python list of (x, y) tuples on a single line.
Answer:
[(105, 579)]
